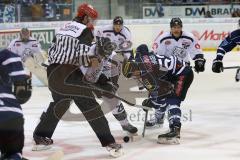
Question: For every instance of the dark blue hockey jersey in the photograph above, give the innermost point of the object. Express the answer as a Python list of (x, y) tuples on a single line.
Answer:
[(11, 70), (231, 41), (152, 63), (157, 70)]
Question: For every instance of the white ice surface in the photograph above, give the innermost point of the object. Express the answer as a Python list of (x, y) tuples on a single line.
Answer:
[(210, 128)]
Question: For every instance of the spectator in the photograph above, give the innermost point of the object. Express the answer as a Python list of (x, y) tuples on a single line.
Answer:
[(50, 10), (235, 14), (37, 12), (208, 15)]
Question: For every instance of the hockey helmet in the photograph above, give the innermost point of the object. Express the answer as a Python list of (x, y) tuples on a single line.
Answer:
[(87, 9), (175, 22), (118, 20), (25, 34)]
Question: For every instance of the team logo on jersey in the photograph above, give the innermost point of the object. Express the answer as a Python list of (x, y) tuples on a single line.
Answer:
[(197, 46), (125, 45), (167, 42)]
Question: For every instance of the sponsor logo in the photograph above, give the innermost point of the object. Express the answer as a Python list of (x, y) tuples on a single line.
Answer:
[(214, 10), (210, 35), (153, 11)]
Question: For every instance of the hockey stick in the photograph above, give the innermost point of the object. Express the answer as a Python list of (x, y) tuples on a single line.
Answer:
[(95, 88), (232, 67), (145, 121)]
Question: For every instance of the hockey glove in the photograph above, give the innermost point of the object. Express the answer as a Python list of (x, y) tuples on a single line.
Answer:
[(217, 66), (199, 65), (23, 90), (102, 80), (147, 103)]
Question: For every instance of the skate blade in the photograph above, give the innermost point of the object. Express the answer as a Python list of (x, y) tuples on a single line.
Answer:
[(41, 147), (169, 140), (116, 153)]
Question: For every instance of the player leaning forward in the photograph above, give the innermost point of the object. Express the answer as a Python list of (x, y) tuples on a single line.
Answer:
[(65, 78), (120, 36), (185, 47), (165, 78), (11, 115)]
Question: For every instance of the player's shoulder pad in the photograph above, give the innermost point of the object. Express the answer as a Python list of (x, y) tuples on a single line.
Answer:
[(188, 35), (33, 39), (15, 40), (234, 34), (126, 32), (9, 53), (164, 36)]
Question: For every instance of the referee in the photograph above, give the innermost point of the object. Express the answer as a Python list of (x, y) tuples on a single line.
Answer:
[(68, 51)]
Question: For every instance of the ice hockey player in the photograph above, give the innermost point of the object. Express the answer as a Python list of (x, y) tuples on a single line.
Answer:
[(184, 46), (164, 77), (15, 89), (230, 42), (118, 34), (121, 37), (29, 49), (66, 82)]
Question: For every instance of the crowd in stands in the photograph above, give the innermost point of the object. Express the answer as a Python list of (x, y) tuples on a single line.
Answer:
[(42, 10)]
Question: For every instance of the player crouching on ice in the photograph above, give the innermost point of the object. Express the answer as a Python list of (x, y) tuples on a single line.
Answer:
[(165, 78), (106, 77), (11, 116)]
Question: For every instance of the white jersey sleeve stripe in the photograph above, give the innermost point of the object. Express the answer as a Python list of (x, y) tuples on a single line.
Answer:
[(16, 73), (11, 60), (11, 109), (6, 95)]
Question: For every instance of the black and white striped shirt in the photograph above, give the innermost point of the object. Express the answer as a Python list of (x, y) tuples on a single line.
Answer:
[(71, 45)]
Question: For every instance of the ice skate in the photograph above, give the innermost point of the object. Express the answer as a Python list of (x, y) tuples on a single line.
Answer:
[(41, 143), (115, 150), (156, 121), (172, 137), (130, 128)]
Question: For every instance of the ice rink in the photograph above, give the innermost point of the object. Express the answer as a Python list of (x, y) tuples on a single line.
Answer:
[(210, 130)]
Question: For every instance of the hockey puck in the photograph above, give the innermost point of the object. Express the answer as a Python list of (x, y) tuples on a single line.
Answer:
[(126, 139)]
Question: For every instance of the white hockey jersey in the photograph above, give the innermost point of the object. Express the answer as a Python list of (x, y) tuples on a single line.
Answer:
[(184, 47), (110, 67), (25, 49), (123, 39)]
